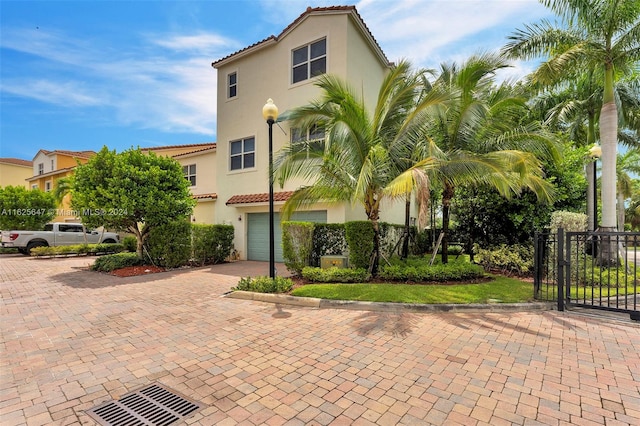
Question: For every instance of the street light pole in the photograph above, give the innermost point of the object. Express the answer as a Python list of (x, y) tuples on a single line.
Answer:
[(270, 113), (595, 152)]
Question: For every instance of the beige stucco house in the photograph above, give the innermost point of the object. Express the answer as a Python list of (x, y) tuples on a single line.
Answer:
[(15, 172), (321, 40)]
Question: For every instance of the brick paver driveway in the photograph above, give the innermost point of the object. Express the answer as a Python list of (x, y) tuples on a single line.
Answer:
[(72, 339)]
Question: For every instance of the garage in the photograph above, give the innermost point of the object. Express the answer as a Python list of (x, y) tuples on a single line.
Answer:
[(258, 232)]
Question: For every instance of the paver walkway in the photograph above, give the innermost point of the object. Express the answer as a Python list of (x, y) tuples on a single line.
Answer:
[(72, 339)]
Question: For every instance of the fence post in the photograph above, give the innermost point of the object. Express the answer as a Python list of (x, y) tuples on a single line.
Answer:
[(560, 269)]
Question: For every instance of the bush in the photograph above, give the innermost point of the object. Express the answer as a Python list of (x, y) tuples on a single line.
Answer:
[(169, 245), (112, 262), (336, 275), (359, 235), (77, 249), (130, 243), (569, 221), (510, 259), (328, 240), (264, 285), (453, 271), (297, 239), (211, 243)]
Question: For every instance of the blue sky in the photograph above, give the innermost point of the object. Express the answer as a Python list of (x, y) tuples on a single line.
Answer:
[(78, 75)]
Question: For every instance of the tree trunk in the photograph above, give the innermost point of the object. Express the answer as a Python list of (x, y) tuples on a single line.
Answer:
[(608, 137), (405, 240), (447, 196)]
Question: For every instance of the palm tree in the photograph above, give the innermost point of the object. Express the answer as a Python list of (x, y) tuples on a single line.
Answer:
[(361, 151), (628, 163), (599, 33), (479, 137)]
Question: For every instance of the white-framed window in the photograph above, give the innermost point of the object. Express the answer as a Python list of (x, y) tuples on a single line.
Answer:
[(52, 168), (34, 186), (242, 153), (232, 85), (40, 168), (309, 60), (47, 186), (190, 173), (309, 139)]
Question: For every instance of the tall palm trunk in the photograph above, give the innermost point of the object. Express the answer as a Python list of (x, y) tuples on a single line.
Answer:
[(608, 138)]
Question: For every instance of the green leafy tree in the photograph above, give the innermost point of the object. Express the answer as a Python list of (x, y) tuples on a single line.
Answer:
[(628, 165), (480, 139), (597, 34), (25, 209), (131, 191), (360, 155)]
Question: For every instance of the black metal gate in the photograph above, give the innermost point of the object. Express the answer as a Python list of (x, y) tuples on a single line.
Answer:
[(596, 270)]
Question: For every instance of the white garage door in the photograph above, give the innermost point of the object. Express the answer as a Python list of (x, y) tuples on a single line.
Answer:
[(258, 232)]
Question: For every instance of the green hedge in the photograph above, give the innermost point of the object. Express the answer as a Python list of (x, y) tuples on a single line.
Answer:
[(359, 235), (210, 243), (77, 249), (328, 240), (112, 262), (264, 285), (169, 245), (509, 259), (454, 271), (335, 275), (297, 240)]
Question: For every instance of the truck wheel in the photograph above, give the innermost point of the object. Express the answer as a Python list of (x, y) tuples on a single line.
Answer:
[(35, 244), (109, 241)]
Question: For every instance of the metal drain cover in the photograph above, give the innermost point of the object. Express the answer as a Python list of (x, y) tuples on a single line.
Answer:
[(153, 405)]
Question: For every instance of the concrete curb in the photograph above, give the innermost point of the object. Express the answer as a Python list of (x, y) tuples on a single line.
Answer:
[(312, 302)]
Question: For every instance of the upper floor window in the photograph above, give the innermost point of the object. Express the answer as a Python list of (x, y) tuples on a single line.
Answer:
[(52, 168), (40, 168), (310, 60), (243, 153), (47, 186), (190, 173), (306, 140), (232, 85)]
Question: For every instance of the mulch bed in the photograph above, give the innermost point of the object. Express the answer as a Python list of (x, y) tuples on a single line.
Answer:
[(132, 271)]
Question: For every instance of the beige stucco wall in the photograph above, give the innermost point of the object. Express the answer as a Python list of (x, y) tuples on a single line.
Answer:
[(205, 161), (266, 73), (14, 175)]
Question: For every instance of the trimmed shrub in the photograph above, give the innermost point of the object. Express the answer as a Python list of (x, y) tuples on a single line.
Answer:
[(297, 240), (264, 284), (328, 240), (509, 259), (169, 245), (77, 249), (211, 243), (413, 272), (112, 262), (130, 243), (336, 275), (359, 235)]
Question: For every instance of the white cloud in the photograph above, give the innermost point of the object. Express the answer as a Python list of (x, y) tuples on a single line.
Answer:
[(165, 82)]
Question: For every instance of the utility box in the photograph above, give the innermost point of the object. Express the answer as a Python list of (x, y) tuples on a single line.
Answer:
[(327, 262)]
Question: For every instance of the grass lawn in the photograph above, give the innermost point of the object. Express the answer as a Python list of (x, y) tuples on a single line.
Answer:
[(500, 290)]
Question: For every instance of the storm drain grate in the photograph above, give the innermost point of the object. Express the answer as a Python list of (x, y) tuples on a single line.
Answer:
[(152, 405)]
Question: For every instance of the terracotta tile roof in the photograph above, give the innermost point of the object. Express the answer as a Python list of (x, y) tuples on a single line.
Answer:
[(192, 145), (208, 148), (303, 16), (82, 154), (212, 195), (17, 162), (259, 198)]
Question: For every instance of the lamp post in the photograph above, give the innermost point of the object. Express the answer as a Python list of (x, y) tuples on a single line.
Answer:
[(595, 152), (270, 113)]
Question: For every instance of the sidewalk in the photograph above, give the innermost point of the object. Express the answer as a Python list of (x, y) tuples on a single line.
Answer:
[(72, 339)]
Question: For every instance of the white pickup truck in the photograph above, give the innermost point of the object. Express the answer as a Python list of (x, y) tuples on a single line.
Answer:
[(55, 234)]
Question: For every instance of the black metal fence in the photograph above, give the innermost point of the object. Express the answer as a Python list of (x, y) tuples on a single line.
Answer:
[(598, 270)]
